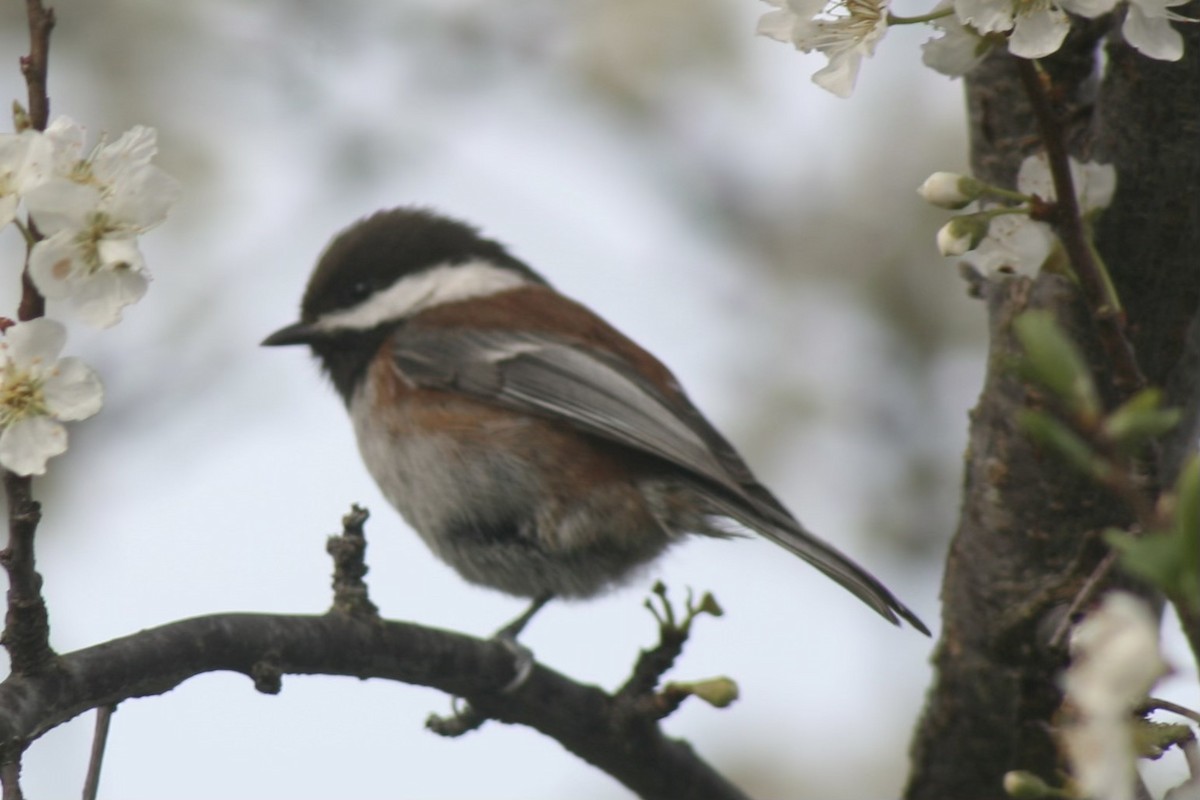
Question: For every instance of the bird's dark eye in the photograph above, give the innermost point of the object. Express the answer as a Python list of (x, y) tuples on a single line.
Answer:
[(360, 291)]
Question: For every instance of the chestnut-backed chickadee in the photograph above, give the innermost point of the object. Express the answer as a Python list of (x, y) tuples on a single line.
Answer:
[(533, 447)]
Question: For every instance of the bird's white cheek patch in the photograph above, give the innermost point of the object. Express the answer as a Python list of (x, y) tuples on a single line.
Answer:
[(436, 286)]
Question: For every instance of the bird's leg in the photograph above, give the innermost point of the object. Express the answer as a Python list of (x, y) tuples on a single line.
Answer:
[(522, 655), (467, 718), (512, 630)]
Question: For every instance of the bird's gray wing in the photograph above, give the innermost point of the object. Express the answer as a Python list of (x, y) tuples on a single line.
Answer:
[(551, 378), (601, 394)]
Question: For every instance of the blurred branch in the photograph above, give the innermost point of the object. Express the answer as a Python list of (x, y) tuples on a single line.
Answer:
[(590, 723)]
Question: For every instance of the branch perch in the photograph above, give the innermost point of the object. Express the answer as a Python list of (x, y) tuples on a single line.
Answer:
[(586, 720)]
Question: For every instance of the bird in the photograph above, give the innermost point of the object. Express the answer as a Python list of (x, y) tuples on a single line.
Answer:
[(531, 445)]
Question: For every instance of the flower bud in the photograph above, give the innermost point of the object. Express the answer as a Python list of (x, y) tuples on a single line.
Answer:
[(961, 234), (950, 190)]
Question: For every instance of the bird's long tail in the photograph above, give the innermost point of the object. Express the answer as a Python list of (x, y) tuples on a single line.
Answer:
[(774, 523)]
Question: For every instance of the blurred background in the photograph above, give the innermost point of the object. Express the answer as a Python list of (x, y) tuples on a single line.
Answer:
[(654, 159)]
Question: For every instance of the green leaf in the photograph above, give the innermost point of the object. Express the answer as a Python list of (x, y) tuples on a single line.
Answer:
[(1140, 418), (1057, 437), (1187, 509), (1053, 361), (1167, 559)]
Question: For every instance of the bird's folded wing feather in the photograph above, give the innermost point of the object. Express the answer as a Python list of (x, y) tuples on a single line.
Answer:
[(550, 378), (599, 393)]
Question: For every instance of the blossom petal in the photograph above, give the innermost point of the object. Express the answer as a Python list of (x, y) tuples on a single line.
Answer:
[(1115, 662), (840, 74), (142, 198), (131, 152), (66, 137), (1033, 176), (1152, 34), (1096, 184), (61, 204), (54, 264), (72, 391), (1014, 243), (100, 298), (33, 342), (26, 444), (957, 51), (985, 16), (23, 160), (1089, 8), (120, 253), (1039, 33), (776, 25), (8, 209)]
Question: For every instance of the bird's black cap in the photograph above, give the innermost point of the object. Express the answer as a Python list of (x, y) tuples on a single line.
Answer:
[(375, 252)]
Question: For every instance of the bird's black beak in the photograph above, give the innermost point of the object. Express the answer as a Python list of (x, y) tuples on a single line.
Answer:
[(296, 333)]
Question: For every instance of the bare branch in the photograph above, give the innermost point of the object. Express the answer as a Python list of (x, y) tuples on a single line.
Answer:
[(26, 624), (1068, 223), (10, 776), (35, 67), (586, 720), (91, 782)]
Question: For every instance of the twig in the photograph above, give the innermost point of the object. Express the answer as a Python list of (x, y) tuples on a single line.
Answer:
[(1068, 223), (1158, 704), (35, 67), (349, 566), (1083, 596), (91, 783), (26, 623), (672, 636)]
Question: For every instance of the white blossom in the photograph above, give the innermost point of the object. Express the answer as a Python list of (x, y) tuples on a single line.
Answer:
[(1016, 243), (1115, 662), (1038, 26), (23, 159), (38, 392), (845, 31), (957, 51), (1147, 27), (1095, 184), (92, 208)]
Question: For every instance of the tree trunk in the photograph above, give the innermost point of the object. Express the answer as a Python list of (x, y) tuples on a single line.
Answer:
[(1029, 532)]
